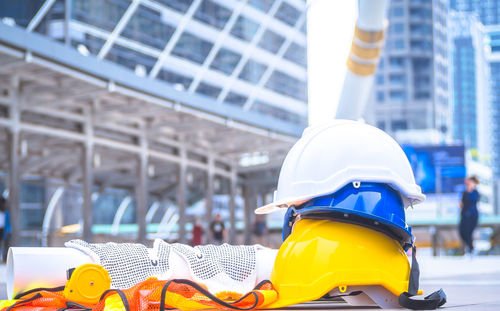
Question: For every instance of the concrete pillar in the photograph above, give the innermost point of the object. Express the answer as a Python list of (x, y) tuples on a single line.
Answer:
[(13, 140), (141, 191), (232, 206), (87, 185), (87, 161), (14, 185), (250, 205), (209, 196), (181, 196)]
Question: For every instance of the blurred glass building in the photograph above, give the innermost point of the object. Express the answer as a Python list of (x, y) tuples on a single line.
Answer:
[(476, 77), (470, 78), (411, 91), (246, 54)]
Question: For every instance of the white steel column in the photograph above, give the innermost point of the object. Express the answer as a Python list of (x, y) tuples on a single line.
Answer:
[(181, 195), (142, 189), (87, 178), (232, 206), (16, 98), (209, 195)]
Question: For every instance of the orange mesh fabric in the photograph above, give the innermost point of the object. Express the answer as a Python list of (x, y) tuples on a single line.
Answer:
[(154, 295)]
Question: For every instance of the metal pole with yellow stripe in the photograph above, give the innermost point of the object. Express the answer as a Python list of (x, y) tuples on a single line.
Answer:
[(363, 58)]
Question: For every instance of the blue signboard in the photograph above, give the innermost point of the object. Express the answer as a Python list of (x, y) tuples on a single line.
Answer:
[(438, 169)]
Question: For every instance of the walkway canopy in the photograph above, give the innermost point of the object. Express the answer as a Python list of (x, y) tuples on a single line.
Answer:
[(94, 123)]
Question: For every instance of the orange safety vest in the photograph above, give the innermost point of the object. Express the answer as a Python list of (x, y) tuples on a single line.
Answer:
[(150, 295)]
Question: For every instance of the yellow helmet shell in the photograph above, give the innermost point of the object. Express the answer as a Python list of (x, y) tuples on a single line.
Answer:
[(321, 255)]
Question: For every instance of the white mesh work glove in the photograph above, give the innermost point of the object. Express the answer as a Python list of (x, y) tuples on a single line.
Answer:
[(219, 268), (127, 263), (227, 267)]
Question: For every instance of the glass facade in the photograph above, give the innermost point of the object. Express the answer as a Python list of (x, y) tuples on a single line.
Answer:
[(476, 64), (495, 116), (464, 97), (263, 44), (487, 10), (409, 77)]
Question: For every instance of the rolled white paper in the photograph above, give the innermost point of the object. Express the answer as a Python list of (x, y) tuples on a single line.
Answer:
[(35, 267)]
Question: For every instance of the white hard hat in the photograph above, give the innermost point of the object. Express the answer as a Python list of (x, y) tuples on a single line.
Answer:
[(330, 156)]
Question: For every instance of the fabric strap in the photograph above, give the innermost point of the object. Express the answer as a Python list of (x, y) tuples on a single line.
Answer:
[(430, 302)]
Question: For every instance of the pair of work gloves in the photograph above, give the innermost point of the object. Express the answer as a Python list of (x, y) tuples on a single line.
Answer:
[(224, 268)]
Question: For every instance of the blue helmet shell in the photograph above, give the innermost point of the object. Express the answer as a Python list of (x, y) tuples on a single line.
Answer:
[(369, 204)]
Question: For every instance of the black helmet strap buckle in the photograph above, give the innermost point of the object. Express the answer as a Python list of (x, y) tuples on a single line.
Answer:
[(430, 302)]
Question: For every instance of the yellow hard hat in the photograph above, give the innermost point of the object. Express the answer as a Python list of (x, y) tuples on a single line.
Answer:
[(324, 256)]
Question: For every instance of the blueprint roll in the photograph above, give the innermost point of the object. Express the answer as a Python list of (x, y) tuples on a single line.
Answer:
[(34, 267)]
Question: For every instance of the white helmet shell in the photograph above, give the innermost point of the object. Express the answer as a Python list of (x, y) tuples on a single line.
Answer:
[(329, 156)]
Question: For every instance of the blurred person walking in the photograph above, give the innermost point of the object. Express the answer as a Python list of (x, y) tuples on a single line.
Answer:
[(469, 214), (260, 228), (218, 230), (5, 228), (197, 233)]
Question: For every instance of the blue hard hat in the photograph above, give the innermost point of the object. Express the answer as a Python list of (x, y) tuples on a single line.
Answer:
[(373, 205)]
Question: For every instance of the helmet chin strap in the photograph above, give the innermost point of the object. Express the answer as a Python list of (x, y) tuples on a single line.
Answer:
[(430, 302), (290, 218)]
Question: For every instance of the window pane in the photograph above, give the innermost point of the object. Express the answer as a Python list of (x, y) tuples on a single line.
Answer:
[(212, 14), (263, 5), (130, 58), (192, 48), (252, 71), (396, 28), (397, 125), (397, 79), (380, 97), (287, 85), (287, 14), (397, 12), (208, 90), (179, 5), (235, 99), (175, 78), (396, 62), (100, 13), (271, 41), (297, 54), (244, 28), (397, 96), (146, 27), (225, 61)]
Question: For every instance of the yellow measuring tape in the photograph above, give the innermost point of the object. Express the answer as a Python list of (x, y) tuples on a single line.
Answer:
[(86, 284)]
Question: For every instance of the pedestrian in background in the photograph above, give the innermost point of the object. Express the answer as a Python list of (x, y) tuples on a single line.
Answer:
[(260, 228), (5, 228), (217, 229), (469, 214), (197, 233)]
